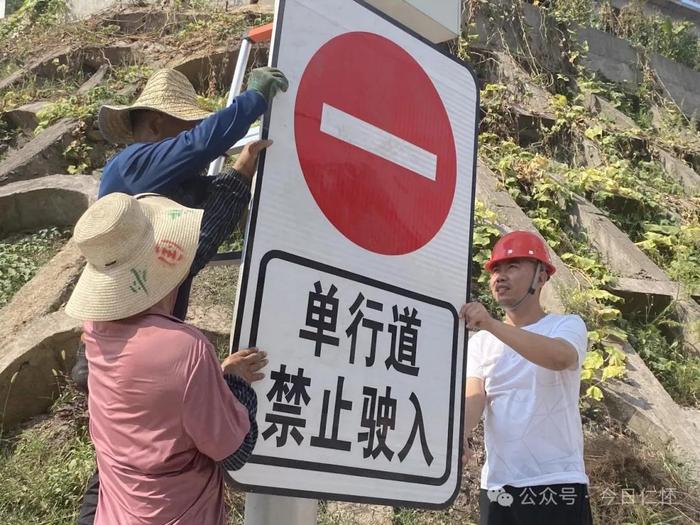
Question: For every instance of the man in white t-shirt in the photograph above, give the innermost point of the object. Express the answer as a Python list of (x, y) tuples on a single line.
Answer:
[(525, 373)]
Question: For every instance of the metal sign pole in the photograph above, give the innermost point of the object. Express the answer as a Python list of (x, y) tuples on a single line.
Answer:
[(261, 509), (236, 84), (254, 35)]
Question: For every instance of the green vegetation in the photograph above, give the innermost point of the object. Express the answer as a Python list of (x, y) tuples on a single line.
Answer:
[(44, 468), (31, 14), (648, 31), (676, 248), (666, 358), (32, 89), (77, 106), (84, 108), (638, 198), (486, 233), (62, 101), (21, 256), (219, 26), (234, 243)]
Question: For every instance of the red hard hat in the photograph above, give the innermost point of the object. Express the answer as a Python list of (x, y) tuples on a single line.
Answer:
[(520, 244)]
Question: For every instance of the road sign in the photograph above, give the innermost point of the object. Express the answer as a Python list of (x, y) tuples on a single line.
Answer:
[(398, 165), (356, 262)]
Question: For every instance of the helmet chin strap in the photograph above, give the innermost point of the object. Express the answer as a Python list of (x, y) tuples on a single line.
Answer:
[(531, 290)]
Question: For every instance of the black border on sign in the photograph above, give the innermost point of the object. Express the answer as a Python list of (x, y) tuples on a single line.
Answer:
[(340, 469), (247, 256)]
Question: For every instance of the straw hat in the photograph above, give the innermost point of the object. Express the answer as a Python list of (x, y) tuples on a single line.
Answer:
[(138, 250), (167, 91)]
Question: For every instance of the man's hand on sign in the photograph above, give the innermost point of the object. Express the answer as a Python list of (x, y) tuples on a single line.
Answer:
[(267, 81), (246, 364), (475, 316), (247, 161)]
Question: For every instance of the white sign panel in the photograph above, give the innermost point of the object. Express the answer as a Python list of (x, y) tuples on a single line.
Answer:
[(357, 260)]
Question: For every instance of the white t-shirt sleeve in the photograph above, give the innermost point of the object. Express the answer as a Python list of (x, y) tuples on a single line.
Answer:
[(475, 361), (573, 330)]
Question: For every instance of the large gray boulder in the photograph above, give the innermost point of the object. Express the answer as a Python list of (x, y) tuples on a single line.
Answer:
[(679, 171), (679, 82), (611, 57), (45, 293), (43, 155), (33, 363), (55, 200)]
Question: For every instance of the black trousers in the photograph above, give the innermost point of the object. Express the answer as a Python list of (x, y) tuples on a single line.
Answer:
[(562, 504), (86, 514)]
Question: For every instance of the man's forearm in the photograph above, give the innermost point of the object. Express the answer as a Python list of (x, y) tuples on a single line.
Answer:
[(474, 409), (216, 134), (547, 352)]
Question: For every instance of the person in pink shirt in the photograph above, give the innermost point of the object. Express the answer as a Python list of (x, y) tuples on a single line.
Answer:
[(166, 418)]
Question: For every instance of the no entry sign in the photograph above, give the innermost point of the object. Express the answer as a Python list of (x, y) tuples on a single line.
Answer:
[(375, 143), (356, 262)]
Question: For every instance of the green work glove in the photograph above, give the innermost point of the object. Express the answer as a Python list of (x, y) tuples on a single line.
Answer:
[(267, 81)]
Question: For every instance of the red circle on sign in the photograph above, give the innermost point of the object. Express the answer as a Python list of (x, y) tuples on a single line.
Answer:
[(375, 143)]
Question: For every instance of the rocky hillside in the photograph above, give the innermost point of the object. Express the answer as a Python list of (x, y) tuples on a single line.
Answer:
[(588, 135)]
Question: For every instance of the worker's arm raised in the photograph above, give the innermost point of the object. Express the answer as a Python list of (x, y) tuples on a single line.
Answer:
[(159, 166), (548, 352), (227, 198)]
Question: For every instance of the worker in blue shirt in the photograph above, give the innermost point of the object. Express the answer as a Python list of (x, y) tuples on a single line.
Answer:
[(172, 141)]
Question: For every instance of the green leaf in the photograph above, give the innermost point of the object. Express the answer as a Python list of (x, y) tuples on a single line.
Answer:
[(594, 336), (608, 314), (602, 295), (613, 371), (616, 332), (593, 361), (594, 132), (615, 356), (594, 392)]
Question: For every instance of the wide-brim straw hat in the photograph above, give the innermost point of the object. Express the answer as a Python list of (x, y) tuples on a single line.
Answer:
[(167, 91), (138, 250)]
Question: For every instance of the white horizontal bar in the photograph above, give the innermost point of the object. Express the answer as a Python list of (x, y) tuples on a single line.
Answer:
[(377, 141)]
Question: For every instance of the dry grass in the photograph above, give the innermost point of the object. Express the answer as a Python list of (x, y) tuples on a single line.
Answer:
[(636, 483), (215, 285)]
